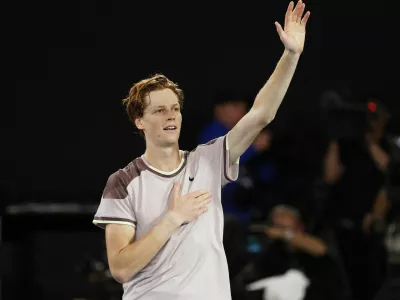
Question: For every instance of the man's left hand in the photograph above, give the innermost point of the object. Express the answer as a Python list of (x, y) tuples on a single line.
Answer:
[(294, 34)]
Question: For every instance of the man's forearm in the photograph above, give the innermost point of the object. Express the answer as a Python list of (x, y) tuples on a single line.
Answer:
[(381, 205), (134, 257), (332, 165), (270, 97), (309, 244), (380, 157)]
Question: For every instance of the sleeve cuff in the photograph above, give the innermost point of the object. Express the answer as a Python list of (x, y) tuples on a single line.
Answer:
[(103, 221), (231, 171)]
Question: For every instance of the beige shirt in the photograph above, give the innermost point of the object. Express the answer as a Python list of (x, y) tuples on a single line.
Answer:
[(192, 264)]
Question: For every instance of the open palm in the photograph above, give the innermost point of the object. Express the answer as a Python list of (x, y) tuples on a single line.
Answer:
[(294, 34)]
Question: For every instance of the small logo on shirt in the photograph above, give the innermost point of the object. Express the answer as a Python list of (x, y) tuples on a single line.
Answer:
[(191, 178)]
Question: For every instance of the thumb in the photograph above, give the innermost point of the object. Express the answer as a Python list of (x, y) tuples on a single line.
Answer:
[(176, 189), (280, 30)]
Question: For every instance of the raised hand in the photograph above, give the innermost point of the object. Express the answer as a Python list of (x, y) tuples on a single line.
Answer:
[(294, 33), (188, 207)]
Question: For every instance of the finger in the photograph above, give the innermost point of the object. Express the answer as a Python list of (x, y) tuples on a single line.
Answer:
[(197, 193), (300, 13), (205, 198), (177, 189), (202, 210), (296, 11), (200, 207), (305, 18), (279, 29), (289, 12)]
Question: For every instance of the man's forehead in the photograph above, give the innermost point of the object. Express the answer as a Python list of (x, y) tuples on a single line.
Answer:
[(165, 97), (284, 215)]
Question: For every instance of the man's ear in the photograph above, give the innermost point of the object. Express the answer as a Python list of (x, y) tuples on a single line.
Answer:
[(138, 123)]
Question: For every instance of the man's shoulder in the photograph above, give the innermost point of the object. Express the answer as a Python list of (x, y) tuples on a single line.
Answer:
[(209, 143), (117, 183), (127, 174)]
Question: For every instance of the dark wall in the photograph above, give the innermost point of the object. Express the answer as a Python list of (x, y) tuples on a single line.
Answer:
[(75, 62)]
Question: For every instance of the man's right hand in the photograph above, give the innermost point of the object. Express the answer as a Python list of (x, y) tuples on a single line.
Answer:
[(127, 256), (188, 207)]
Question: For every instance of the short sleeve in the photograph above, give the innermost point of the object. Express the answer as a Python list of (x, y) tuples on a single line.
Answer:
[(116, 203), (217, 150)]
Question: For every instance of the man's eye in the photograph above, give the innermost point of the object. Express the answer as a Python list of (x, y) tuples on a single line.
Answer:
[(177, 109), (159, 110)]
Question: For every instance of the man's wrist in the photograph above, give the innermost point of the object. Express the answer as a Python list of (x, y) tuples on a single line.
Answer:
[(291, 55), (173, 219)]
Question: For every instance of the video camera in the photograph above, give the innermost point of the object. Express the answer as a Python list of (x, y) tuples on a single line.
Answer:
[(344, 118)]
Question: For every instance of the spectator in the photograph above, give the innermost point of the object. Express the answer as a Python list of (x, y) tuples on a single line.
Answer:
[(289, 247), (229, 108), (355, 169)]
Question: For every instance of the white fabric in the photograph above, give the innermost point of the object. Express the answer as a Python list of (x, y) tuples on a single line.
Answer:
[(290, 286)]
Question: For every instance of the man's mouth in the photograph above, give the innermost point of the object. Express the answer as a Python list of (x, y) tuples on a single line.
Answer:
[(170, 128)]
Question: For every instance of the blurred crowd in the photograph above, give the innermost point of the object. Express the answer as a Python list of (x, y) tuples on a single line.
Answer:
[(313, 213)]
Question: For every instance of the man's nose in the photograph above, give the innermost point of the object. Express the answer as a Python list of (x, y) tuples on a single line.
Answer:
[(171, 116)]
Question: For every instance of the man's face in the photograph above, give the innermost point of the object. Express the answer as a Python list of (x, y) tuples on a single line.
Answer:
[(231, 112), (162, 118), (285, 220)]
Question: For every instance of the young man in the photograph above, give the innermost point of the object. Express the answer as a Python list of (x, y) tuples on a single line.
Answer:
[(163, 211)]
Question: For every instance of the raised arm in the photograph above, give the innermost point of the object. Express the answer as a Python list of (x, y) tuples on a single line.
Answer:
[(271, 94)]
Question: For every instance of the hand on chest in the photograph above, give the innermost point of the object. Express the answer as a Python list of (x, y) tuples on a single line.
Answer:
[(151, 202)]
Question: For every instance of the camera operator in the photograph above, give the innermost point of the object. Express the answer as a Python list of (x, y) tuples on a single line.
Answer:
[(301, 265), (355, 168), (391, 288)]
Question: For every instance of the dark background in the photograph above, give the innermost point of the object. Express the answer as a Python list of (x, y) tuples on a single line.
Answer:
[(76, 61), (73, 62)]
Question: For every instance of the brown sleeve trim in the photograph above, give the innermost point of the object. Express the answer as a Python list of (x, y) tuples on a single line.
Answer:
[(117, 183)]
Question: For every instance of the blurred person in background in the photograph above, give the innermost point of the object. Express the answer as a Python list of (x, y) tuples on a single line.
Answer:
[(390, 290), (229, 107), (292, 262), (355, 168)]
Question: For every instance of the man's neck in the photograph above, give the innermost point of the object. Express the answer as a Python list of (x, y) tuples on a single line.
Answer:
[(164, 159)]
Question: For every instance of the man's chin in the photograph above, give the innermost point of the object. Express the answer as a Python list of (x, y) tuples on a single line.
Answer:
[(170, 141)]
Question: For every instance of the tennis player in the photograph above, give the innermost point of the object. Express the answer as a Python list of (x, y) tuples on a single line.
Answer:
[(162, 213)]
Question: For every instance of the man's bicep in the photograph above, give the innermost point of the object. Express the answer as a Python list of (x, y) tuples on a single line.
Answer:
[(242, 135), (118, 236)]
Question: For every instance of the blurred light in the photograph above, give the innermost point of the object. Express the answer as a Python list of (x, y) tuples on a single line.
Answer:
[(397, 141), (372, 106)]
